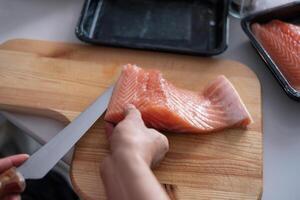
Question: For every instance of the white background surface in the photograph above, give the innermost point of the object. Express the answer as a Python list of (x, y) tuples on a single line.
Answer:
[(56, 20)]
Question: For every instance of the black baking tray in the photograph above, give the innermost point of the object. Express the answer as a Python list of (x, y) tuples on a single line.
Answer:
[(288, 13), (185, 26)]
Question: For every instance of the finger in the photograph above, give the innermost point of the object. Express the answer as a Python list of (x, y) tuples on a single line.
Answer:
[(131, 113), (128, 108), (162, 149), (13, 197), (109, 128), (16, 160)]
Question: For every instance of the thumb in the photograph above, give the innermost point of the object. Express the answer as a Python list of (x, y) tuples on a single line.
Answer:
[(109, 128), (11, 161), (132, 113)]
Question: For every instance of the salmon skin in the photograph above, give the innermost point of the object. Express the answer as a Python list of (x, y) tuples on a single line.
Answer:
[(282, 42), (168, 108)]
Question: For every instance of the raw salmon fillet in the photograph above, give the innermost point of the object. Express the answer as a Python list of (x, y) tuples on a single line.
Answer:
[(168, 108), (282, 42)]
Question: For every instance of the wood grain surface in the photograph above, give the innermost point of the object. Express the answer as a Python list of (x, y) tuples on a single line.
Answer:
[(218, 166)]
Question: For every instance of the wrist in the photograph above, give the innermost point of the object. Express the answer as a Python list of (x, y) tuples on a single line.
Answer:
[(129, 157), (121, 159)]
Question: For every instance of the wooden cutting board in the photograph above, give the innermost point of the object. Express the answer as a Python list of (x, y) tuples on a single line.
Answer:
[(224, 165)]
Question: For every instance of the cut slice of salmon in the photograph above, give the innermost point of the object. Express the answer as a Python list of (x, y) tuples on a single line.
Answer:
[(168, 108), (282, 42)]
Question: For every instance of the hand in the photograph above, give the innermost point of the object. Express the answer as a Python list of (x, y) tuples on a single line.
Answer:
[(134, 148), (12, 161), (132, 137)]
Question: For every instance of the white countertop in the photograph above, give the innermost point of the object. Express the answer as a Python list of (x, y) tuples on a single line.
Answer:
[(56, 20)]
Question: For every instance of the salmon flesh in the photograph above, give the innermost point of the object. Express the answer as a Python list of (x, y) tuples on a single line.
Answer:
[(282, 42), (168, 108)]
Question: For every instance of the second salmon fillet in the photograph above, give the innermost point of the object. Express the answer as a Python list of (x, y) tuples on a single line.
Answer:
[(168, 108), (282, 42)]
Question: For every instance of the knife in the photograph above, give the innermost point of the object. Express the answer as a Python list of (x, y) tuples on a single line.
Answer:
[(42, 161)]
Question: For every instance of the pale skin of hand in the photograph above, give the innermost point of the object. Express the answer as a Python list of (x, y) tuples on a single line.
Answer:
[(12, 161), (126, 172)]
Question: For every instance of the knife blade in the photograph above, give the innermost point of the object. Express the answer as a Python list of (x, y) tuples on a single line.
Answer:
[(42, 161)]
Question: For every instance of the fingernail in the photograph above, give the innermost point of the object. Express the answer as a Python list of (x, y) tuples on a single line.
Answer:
[(130, 106), (13, 197), (25, 155)]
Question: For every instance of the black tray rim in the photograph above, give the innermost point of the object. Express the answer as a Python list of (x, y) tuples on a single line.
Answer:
[(80, 34), (246, 23)]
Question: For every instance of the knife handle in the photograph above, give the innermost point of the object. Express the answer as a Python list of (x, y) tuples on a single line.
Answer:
[(11, 182)]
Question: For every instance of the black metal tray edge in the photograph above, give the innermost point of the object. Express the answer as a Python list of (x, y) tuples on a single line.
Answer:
[(246, 26), (79, 32)]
